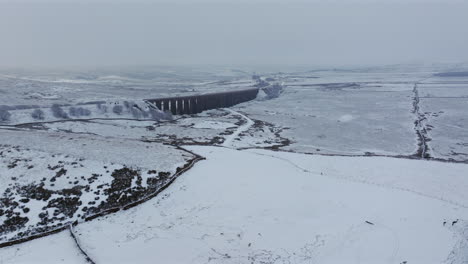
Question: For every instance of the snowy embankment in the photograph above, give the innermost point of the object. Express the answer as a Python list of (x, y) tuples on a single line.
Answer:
[(139, 110), (270, 207)]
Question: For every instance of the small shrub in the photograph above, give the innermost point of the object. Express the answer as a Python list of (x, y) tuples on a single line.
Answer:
[(58, 112), (72, 111), (84, 112), (4, 116), (38, 114), (80, 111), (117, 109)]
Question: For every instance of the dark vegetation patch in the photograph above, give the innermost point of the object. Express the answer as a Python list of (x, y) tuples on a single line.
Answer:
[(126, 188), (79, 111), (4, 115), (117, 109), (38, 114), (423, 150), (58, 112), (180, 141), (13, 223), (61, 207), (275, 142), (339, 86)]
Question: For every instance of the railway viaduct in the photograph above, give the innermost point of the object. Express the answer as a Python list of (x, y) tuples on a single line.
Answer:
[(195, 104)]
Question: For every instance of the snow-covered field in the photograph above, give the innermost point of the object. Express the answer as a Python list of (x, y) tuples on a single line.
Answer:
[(289, 208), (44, 87), (345, 166)]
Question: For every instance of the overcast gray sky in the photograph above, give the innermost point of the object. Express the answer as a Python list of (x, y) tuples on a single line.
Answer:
[(35, 33)]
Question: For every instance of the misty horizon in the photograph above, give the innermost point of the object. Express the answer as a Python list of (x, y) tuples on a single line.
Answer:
[(50, 34)]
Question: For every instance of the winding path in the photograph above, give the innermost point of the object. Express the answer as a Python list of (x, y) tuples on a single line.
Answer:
[(228, 141)]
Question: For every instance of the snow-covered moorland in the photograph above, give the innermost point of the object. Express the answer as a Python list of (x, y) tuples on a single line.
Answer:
[(337, 166)]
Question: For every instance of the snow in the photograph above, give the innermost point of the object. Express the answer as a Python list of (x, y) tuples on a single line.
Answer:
[(319, 118), (213, 125), (57, 248), (98, 148), (44, 96), (136, 110), (443, 102), (248, 123), (346, 118), (66, 86), (420, 177), (339, 203), (46, 173), (288, 207)]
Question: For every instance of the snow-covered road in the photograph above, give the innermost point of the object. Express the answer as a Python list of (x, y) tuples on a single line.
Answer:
[(271, 207)]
